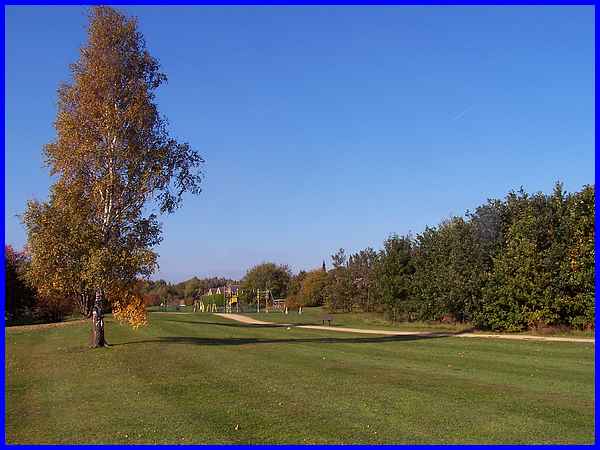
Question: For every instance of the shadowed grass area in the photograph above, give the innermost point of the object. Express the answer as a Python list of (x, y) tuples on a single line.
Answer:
[(202, 379)]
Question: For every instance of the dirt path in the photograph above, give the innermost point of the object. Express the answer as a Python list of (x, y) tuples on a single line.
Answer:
[(248, 320), (519, 337)]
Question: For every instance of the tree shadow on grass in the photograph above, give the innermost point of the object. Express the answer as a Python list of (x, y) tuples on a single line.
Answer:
[(441, 333), (191, 340)]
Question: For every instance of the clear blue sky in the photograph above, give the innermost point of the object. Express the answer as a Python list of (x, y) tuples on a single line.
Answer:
[(328, 127)]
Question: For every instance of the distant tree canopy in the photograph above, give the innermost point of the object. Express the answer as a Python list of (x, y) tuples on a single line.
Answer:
[(307, 289), (449, 272), (293, 295), (522, 262), (114, 161), (157, 292), (19, 297), (265, 276), (392, 273), (545, 271)]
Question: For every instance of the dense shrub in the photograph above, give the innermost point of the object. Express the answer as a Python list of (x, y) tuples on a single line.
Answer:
[(523, 262), (394, 269), (449, 271), (19, 297), (22, 303), (217, 299)]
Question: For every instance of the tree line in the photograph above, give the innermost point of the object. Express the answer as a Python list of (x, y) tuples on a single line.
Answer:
[(161, 291), (523, 262), (24, 304), (526, 261)]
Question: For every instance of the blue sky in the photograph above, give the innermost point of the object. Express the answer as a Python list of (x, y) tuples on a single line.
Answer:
[(328, 127)]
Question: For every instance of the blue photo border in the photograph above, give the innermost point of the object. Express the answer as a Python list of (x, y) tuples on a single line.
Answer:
[(292, 2)]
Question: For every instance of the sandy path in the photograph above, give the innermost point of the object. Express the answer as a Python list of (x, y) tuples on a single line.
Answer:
[(248, 320), (519, 337)]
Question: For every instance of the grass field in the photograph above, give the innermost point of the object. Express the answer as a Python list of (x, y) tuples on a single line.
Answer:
[(376, 321), (202, 379)]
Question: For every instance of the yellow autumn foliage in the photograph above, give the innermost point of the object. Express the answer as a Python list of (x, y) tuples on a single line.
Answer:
[(128, 307)]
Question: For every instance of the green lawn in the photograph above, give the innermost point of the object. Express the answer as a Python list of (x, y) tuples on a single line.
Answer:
[(313, 316), (202, 379), (375, 321)]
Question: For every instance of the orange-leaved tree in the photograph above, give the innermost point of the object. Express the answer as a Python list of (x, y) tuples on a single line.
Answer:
[(116, 168)]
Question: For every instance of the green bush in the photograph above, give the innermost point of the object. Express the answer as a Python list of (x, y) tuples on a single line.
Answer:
[(218, 299), (523, 262)]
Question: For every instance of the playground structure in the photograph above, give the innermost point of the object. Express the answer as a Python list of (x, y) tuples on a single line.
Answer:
[(222, 299), (232, 302), (200, 306), (265, 295), (228, 301), (276, 304)]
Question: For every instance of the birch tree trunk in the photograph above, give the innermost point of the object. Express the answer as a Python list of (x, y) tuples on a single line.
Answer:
[(97, 337)]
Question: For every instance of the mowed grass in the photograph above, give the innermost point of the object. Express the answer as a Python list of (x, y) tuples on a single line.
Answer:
[(371, 320), (376, 321), (198, 378)]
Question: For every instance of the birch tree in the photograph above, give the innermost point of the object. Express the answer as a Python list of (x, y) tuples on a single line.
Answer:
[(116, 169)]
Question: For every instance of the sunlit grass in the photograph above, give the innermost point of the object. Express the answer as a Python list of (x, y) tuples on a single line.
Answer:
[(197, 378)]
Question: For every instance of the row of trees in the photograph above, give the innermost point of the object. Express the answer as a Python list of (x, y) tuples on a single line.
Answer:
[(26, 304), (522, 262), (161, 291), (265, 276), (526, 261)]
